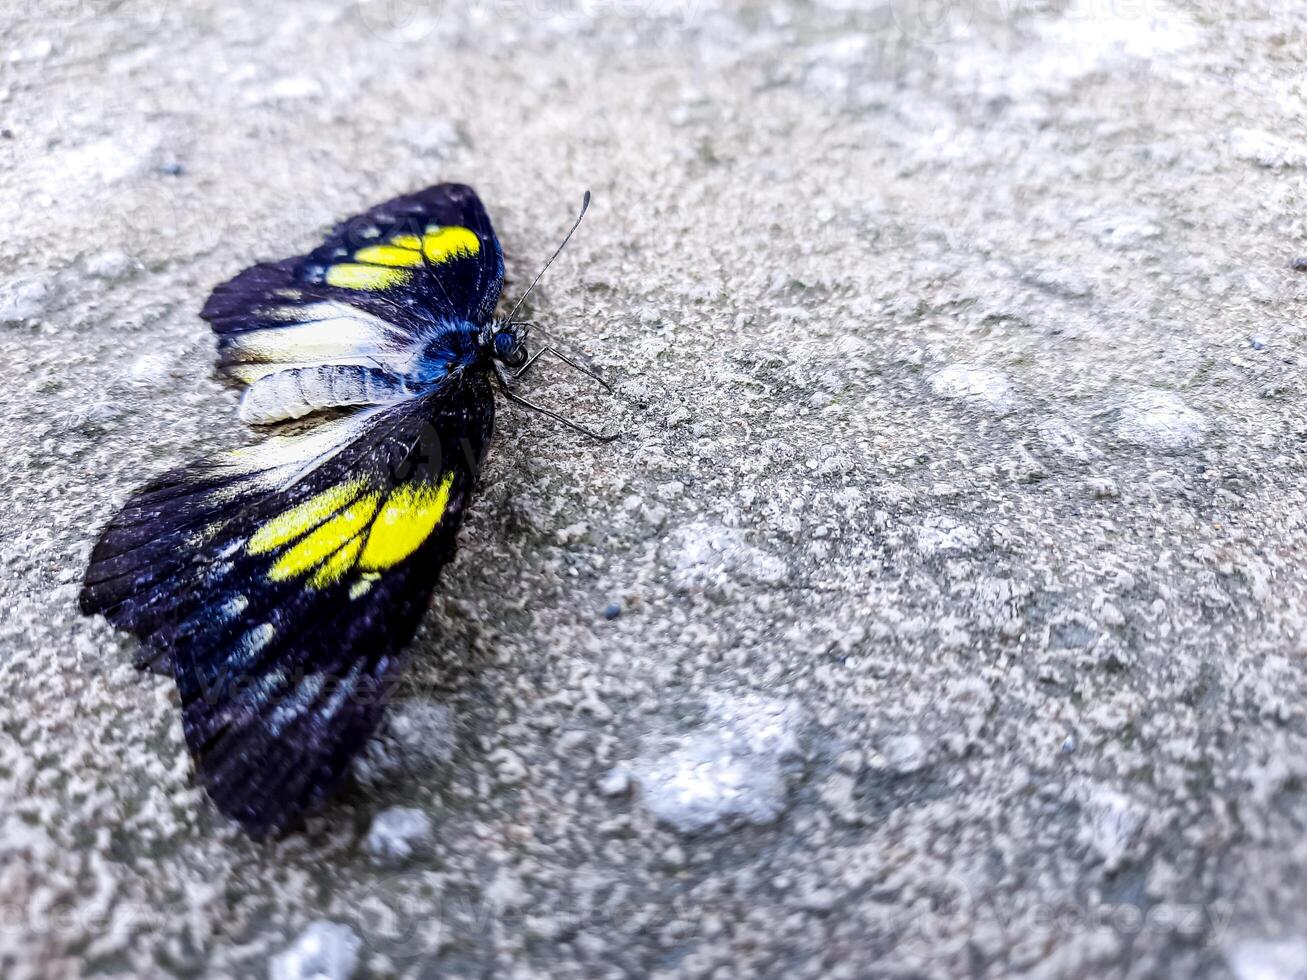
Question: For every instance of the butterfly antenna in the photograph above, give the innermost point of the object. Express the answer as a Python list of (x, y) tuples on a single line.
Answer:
[(585, 203)]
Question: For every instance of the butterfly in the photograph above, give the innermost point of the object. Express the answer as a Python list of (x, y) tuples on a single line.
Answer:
[(279, 583)]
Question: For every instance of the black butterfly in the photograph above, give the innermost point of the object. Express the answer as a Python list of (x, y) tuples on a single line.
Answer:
[(278, 584)]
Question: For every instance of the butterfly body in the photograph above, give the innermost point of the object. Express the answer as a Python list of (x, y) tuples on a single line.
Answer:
[(440, 350), (279, 583)]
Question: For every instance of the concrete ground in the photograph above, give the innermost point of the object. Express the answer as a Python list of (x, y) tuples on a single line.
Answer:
[(955, 541)]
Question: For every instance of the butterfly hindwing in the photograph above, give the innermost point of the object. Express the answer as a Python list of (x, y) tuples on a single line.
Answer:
[(379, 282), (281, 582)]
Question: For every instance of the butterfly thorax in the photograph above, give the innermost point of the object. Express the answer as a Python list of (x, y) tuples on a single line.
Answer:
[(447, 349), (463, 346)]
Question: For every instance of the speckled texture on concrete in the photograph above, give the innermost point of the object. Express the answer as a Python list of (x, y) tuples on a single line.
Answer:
[(960, 361)]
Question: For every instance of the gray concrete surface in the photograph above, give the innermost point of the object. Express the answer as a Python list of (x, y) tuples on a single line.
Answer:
[(959, 549)]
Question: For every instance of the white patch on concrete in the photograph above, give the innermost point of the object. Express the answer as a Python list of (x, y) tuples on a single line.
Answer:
[(765, 725), (434, 138), (324, 951), (1113, 824), (944, 536), (111, 264), (1124, 230), (715, 558), (730, 771), (23, 299), (1090, 38), (1096, 34), (834, 67), (150, 369), (397, 834), (37, 49), (102, 161), (287, 89), (1160, 420), (615, 782), (1063, 438), (978, 387), (904, 754), (1267, 959), (1266, 149)]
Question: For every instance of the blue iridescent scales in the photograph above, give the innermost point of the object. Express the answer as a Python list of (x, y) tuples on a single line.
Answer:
[(279, 584)]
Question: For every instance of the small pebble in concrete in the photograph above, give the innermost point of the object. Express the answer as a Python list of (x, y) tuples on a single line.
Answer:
[(978, 387), (1267, 959), (904, 754), (324, 951), (1266, 149), (110, 264), (1161, 420), (398, 834), (729, 771), (1114, 822), (22, 300), (616, 782)]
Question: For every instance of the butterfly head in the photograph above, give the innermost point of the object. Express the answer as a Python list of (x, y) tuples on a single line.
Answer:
[(507, 343)]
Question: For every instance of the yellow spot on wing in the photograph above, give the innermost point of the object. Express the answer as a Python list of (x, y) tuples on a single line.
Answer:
[(407, 519), (326, 541), (442, 244), (407, 258), (363, 585), (439, 243), (351, 275), (334, 568), (302, 518)]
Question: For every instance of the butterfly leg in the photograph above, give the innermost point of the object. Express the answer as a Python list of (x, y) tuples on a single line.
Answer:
[(566, 360), (518, 399)]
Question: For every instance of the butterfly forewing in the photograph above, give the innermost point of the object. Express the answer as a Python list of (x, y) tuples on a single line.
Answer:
[(381, 282)]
